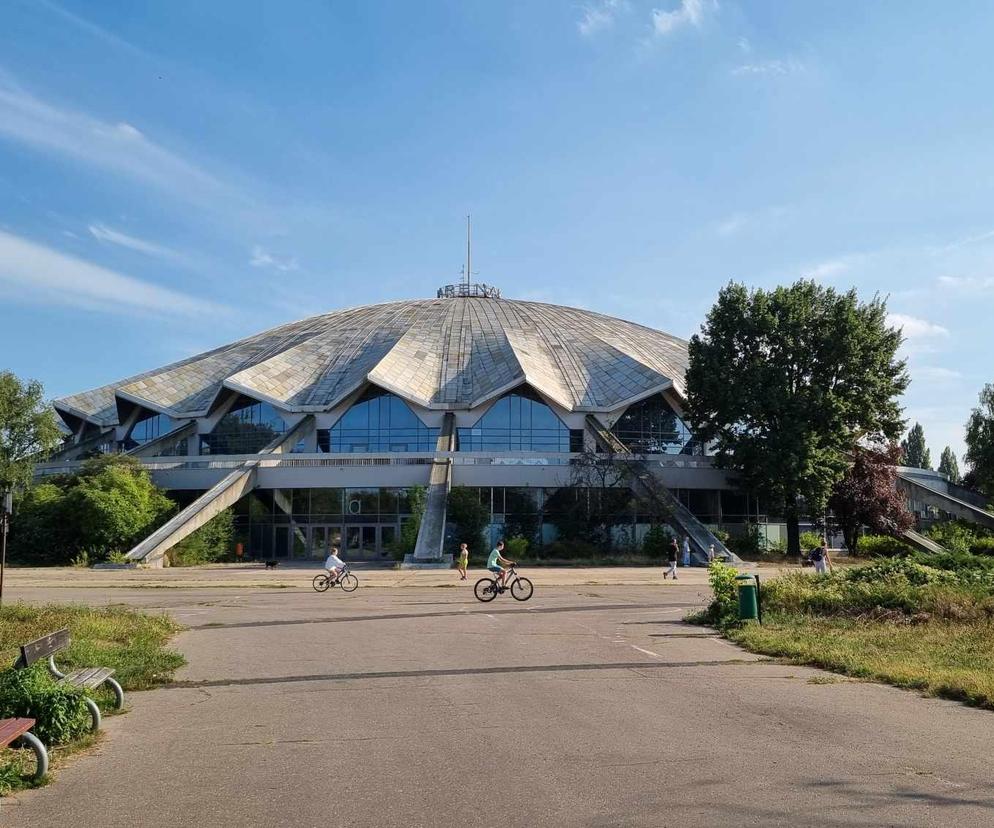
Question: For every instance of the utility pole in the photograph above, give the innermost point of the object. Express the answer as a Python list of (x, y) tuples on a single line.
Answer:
[(5, 510)]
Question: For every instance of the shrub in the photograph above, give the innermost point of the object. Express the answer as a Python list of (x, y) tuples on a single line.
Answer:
[(656, 542), (515, 548), (953, 535), (470, 516), (58, 709), (209, 544), (810, 540), (982, 546), (882, 546), (723, 609), (748, 544), (570, 550)]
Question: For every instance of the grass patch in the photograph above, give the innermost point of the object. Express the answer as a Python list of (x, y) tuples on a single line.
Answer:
[(951, 659), (133, 643)]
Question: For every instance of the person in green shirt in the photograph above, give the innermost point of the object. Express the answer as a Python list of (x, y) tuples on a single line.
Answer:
[(496, 563)]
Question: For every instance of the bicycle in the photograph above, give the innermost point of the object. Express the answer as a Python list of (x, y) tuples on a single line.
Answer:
[(487, 589), (346, 580)]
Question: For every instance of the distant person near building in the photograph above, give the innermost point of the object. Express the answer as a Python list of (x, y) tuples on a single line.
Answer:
[(463, 563), (821, 560), (671, 560), (711, 553), (686, 550)]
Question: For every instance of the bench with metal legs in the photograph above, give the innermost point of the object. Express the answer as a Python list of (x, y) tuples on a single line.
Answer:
[(85, 678), (19, 731)]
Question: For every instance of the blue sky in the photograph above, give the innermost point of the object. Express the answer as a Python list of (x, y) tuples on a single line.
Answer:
[(174, 176)]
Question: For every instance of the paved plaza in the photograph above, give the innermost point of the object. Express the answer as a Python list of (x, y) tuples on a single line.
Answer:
[(414, 705)]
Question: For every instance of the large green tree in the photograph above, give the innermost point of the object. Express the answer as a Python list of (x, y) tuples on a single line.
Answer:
[(914, 451), (980, 441), (27, 430), (948, 465), (470, 516), (782, 383)]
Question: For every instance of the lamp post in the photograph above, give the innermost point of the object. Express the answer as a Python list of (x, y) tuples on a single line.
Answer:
[(8, 507)]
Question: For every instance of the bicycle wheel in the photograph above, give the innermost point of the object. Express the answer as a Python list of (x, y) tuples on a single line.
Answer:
[(348, 583), (485, 589), (522, 589), (320, 583)]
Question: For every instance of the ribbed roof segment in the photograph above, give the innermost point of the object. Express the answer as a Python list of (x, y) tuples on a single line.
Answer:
[(439, 353)]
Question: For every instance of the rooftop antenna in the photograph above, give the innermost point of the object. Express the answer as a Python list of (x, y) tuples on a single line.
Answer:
[(467, 272), (466, 288)]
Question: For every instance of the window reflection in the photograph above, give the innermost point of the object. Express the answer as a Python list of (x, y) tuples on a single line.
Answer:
[(653, 427), (520, 421), (378, 422), (248, 428), (150, 428)]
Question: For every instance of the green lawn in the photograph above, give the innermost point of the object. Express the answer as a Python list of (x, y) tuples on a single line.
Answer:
[(948, 658), (133, 643)]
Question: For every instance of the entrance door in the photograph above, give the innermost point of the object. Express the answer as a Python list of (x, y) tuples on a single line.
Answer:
[(321, 539), (364, 542)]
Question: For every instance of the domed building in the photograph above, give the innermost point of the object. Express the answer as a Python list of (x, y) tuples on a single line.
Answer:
[(316, 431)]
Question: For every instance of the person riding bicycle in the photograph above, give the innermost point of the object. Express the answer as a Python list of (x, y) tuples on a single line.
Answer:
[(496, 563), (334, 565)]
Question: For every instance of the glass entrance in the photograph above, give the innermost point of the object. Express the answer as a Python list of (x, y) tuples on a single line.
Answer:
[(320, 540)]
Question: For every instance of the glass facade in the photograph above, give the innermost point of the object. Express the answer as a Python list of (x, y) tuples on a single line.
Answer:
[(653, 427), (378, 422), (520, 421), (303, 524), (249, 427), (151, 428)]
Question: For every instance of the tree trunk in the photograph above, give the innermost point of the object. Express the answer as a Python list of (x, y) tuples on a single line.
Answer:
[(793, 531)]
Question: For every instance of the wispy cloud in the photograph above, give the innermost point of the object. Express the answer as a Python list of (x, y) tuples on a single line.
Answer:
[(915, 328), (40, 274), (90, 28), (935, 373), (116, 146), (789, 66), (101, 232), (762, 219), (262, 258), (967, 284), (600, 16), (689, 13), (828, 269)]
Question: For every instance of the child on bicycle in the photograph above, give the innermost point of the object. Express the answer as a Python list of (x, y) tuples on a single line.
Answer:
[(496, 563), (334, 565)]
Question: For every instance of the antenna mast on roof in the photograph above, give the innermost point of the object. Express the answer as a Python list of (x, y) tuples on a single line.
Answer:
[(466, 288), (468, 269)]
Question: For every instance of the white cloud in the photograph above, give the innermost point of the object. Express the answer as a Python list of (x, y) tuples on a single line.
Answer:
[(600, 16), (103, 233), (690, 13), (770, 67), (116, 146), (935, 373), (915, 328), (967, 284), (828, 269), (262, 258), (40, 274), (763, 219)]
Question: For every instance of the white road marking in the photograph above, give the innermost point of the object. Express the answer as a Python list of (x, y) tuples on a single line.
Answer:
[(647, 652)]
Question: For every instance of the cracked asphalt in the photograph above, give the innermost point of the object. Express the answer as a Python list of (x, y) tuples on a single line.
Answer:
[(419, 706)]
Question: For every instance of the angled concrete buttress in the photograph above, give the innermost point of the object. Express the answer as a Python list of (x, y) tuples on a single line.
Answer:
[(646, 482), (954, 501), (431, 534), (920, 542), (215, 500)]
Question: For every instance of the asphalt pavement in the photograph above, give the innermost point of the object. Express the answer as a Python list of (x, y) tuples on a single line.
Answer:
[(590, 705)]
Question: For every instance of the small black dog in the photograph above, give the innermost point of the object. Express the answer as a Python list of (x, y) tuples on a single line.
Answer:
[(272, 564)]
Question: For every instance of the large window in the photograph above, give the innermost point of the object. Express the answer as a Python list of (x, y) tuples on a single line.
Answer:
[(148, 429), (520, 421), (378, 422), (248, 428), (653, 427)]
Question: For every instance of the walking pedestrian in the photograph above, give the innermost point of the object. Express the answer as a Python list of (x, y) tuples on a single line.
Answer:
[(711, 553), (463, 563), (686, 550), (671, 560)]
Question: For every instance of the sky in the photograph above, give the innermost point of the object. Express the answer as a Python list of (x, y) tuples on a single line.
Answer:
[(175, 176)]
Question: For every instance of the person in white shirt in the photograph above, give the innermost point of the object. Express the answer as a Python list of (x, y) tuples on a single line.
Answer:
[(334, 564)]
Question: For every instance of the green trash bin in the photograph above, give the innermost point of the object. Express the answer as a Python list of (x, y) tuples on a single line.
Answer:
[(748, 604)]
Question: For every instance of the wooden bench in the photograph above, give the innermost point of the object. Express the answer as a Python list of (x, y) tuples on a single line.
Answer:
[(17, 730), (86, 677)]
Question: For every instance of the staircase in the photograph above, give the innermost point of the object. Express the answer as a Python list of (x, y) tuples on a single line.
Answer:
[(431, 534), (226, 492), (646, 482), (955, 505)]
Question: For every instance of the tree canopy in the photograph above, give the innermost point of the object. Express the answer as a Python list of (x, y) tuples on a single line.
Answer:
[(27, 430), (980, 441), (782, 383), (948, 465), (867, 496), (914, 451)]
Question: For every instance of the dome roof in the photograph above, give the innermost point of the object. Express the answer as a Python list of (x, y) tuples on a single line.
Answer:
[(446, 353)]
